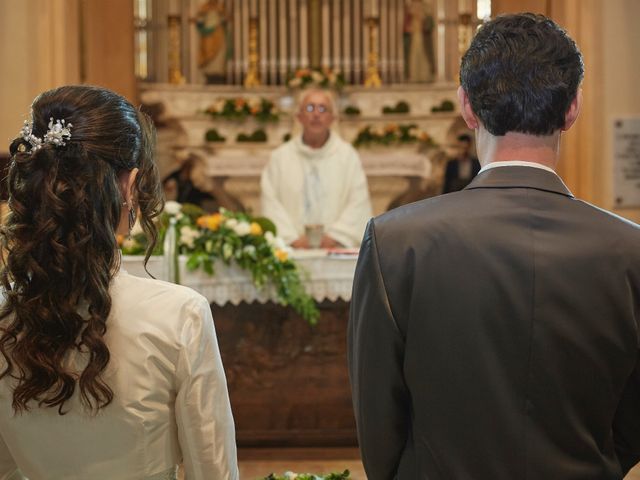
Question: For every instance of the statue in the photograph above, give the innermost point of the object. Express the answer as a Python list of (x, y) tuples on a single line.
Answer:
[(215, 40), (418, 41)]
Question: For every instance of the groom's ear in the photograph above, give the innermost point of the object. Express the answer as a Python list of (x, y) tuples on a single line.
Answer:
[(466, 111)]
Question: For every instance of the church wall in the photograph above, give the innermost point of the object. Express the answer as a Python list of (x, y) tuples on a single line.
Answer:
[(39, 46), (610, 42)]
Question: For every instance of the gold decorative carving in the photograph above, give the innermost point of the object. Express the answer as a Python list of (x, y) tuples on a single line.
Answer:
[(372, 78), (253, 77)]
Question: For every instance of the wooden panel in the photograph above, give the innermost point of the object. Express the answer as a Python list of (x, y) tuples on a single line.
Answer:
[(108, 46), (288, 381)]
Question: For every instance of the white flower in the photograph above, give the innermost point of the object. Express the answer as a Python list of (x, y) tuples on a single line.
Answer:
[(269, 237), (295, 82), (187, 236), (378, 131), (231, 223), (250, 250), (254, 103), (414, 132), (129, 244), (242, 228), (317, 77), (290, 475), (218, 105), (279, 244), (172, 208)]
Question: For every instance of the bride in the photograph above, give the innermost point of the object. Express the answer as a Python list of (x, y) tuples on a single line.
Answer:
[(103, 375)]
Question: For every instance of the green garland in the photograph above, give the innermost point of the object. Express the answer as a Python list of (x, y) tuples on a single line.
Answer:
[(233, 237), (309, 476)]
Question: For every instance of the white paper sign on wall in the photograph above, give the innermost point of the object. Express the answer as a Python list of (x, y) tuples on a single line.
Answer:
[(626, 162)]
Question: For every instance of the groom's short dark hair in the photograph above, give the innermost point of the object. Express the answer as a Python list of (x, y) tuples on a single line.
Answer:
[(521, 73)]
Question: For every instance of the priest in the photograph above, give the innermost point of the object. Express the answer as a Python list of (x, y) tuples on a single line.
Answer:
[(316, 181)]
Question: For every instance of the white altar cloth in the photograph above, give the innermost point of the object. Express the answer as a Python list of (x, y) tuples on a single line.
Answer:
[(326, 277)]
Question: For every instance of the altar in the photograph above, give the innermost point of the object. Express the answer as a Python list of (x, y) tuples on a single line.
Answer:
[(287, 380)]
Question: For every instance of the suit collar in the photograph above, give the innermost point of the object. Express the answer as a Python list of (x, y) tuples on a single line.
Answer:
[(520, 177)]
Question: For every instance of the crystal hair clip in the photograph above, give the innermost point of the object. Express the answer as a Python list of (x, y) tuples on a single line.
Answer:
[(57, 134)]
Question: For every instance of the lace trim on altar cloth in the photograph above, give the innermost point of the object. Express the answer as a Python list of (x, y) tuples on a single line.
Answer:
[(171, 474)]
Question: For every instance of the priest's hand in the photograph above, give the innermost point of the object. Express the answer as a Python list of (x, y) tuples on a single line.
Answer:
[(301, 242)]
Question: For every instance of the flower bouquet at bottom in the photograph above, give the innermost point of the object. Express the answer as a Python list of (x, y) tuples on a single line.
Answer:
[(309, 476)]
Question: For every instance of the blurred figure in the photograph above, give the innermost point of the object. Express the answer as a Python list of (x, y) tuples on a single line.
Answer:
[(461, 170), (316, 181), (179, 186)]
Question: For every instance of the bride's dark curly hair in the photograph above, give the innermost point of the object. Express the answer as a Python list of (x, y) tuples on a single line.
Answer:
[(59, 241)]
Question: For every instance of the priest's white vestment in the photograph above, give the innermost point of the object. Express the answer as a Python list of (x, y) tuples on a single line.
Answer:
[(302, 185)]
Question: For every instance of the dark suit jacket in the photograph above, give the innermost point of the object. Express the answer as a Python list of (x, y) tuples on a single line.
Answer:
[(494, 335), (452, 180)]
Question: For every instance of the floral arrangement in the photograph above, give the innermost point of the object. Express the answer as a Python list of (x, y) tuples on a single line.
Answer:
[(309, 476), (445, 106), (212, 135), (257, 136), (351, 110), (241, 108), (392, 134), (232, 237), (325, 78), (400, 107)]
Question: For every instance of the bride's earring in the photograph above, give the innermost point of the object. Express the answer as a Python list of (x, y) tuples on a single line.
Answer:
[(131, 217)]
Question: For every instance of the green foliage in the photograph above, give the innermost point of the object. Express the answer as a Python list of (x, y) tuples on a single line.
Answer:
[(392, 134), (325, 78), (400, 107), (212, 135), (352, 110), (445, 106), (309, 476), (236, 238), (240, 108), (257, 136)]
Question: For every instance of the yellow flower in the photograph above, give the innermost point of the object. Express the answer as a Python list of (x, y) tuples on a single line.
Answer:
[(214, 221), (256, 229), (281, 255), (211, 222)]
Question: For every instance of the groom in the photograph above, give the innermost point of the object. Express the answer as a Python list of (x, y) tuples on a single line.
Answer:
[(494, 331)]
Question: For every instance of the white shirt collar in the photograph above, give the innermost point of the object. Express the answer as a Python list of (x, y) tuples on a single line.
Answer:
[(516, 163)]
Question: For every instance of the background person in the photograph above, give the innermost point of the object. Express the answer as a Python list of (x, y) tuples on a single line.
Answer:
[(463, 168), (104, 375), (494, 331), (316, 178)]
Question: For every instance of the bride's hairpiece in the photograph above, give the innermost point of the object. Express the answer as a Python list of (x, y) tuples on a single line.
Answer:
[(57, 134)]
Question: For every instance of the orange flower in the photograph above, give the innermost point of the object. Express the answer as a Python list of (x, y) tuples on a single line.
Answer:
[(391, 128), (211, 222), (255, 110), (304, 72), (281, 255), (120, 239), (202, 221), (256, 229)]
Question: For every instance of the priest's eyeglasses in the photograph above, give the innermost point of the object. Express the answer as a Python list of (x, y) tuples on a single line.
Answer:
[(311, 107)]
